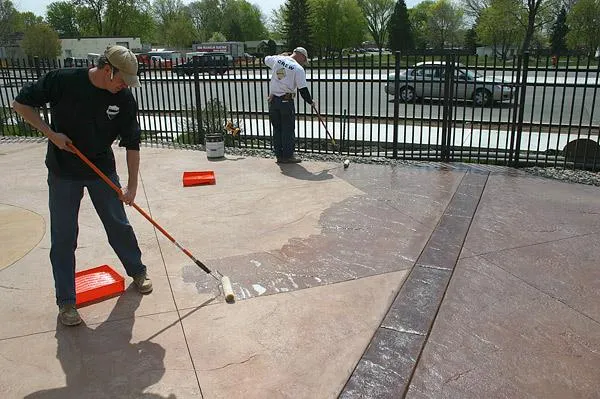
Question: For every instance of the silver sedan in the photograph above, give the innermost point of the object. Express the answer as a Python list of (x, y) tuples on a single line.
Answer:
[(426, 80)]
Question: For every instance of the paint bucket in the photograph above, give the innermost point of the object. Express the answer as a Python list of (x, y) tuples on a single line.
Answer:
[(215, 145)]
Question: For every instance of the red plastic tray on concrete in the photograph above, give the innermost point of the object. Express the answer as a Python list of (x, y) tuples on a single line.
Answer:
[(99, 283), (198, 178)]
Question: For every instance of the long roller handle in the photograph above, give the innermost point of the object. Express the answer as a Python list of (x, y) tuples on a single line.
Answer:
[(325, 126), (140, 210)]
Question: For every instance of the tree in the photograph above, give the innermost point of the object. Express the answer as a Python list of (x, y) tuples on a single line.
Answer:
[(419, 17), (217, 37), (271, 47), (26, 19), (42, 41), (242, 21), (337, 24), (558, 33), (474, 8), (444, 23), (181, 33), (128, 18), (207, 17), (377, 14), (584, 26), (538, 13), (62, 17), (400, 29), (95, 12), (495, 30), (276, 24), (532, 15), (297, 29), (86, 20), (471, 40), (165, 12), (8, 19)]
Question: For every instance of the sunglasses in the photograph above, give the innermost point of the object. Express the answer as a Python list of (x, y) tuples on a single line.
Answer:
[(113, 71)]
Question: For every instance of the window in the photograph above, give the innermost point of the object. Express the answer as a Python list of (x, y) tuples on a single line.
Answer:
[(427, 72)]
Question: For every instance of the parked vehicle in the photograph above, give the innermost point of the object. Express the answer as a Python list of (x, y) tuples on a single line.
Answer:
[(212, 63), (75, 62), (426, 80), (159, 59)]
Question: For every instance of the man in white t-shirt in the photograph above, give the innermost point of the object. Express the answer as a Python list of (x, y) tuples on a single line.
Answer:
[(287, 75)]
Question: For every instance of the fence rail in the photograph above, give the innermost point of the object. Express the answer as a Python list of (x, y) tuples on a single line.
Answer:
[(450, 106)]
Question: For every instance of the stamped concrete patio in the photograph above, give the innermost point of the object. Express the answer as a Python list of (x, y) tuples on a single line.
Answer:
[(376, 281)]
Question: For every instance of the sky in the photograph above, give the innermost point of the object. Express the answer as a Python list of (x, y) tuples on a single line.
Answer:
[(38, 7)]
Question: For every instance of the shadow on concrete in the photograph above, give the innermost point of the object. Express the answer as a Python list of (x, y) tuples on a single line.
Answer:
[(298, 172), (226, 158), (103, 362)]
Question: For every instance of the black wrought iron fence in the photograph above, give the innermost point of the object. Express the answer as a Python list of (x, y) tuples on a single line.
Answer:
[(450, 106)]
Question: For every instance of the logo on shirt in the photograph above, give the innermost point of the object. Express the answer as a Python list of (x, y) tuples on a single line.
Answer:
[(285, 65), (112, 111), (280, 73)]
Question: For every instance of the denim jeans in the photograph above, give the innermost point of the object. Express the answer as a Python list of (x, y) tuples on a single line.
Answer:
[(281, 115), (64, 201)]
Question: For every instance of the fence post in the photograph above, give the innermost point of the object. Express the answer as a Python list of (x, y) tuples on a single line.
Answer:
[(196, 63), (396, 103), (447, 109), (516, 107), (523, 91), (38, 74)]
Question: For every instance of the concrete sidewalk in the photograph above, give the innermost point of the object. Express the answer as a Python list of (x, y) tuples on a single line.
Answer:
[(375, 281)]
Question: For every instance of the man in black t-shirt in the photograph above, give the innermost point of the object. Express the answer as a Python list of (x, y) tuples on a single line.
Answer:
[(90, 109)]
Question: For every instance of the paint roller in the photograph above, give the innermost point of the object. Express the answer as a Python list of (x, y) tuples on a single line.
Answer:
[(224, 280)]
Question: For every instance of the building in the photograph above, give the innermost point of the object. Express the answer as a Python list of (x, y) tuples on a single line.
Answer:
[(260, 48), (82, 46), (235, 49)]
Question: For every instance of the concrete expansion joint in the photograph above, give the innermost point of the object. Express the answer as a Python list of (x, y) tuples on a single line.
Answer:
[(428, 283)]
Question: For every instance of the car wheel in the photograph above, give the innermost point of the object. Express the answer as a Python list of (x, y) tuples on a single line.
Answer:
[(482, 97), (407, 94)]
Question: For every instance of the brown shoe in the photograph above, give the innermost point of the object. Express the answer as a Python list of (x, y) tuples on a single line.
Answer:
[(68, 315), (291, 159), (143, 283)]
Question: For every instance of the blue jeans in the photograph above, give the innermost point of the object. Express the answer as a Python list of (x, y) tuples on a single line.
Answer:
[(64, 201), (281, 115)]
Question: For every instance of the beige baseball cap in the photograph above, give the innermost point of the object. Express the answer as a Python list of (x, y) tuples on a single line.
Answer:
[(125, 61), (302, 50)]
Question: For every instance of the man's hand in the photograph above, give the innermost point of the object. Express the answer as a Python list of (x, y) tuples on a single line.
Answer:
[(60, 140), (128, 195)]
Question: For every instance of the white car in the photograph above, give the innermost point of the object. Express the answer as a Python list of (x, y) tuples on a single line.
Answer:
[(426, 80)]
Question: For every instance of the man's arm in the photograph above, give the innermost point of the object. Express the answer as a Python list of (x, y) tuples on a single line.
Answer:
[(32, 116), (300, 80), (306, 95), (133, 168), (270, 60)]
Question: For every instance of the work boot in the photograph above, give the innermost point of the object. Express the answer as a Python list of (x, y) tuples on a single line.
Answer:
[(68, 315), (291, 159), (143, 283)]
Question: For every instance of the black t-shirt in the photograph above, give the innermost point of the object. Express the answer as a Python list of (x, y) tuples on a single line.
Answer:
[(91, 117)]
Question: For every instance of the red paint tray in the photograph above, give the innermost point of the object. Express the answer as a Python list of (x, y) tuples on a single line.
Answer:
[(198, 178), (96, 284)]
